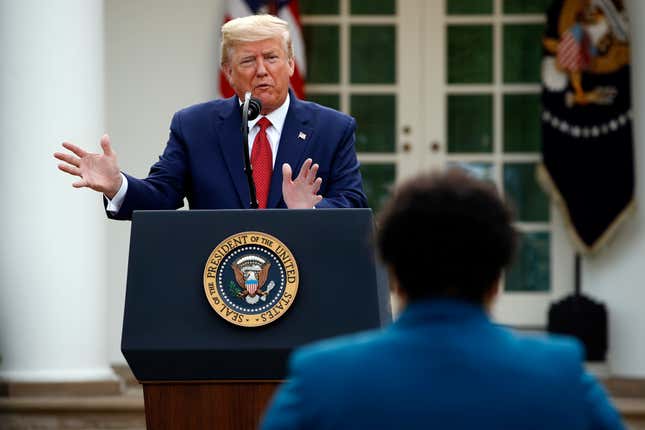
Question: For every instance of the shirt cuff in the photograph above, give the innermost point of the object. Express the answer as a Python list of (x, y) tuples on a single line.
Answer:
[(115, 204)]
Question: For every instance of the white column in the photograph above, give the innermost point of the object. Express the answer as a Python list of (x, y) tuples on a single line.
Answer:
[(52, 240), (617, 274)]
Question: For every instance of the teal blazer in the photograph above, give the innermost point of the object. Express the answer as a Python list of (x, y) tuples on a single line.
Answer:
[(443, 364)]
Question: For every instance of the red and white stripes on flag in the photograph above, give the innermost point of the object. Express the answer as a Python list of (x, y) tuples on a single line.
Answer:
[(574, 53), (284, 9)]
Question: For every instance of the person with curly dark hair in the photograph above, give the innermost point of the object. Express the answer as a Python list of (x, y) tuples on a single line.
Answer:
[(451, 229), (446, 239)]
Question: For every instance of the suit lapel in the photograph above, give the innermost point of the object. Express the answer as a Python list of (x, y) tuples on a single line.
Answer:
[(228, 127), (297, 132)]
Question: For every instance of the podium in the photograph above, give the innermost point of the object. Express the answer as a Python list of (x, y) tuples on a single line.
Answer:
[(197, 367)]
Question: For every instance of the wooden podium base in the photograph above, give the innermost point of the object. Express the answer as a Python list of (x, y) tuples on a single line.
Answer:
[(200, 405)]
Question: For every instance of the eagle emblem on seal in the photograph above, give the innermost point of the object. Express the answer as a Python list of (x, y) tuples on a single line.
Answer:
[(251, 272)]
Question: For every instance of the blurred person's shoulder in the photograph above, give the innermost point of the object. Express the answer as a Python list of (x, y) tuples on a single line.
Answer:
[(548, 344), (547, 354), (339, 351)]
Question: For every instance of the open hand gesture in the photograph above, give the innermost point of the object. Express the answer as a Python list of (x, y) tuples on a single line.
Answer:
[(301, 193), (99, 172)]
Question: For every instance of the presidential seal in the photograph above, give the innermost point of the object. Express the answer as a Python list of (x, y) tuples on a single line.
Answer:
[(251, 279)]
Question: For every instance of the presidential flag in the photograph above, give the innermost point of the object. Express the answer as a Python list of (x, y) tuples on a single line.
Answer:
[(587, 146), (284, 9)]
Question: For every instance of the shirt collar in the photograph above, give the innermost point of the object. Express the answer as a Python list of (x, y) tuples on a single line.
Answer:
[(277, 116)]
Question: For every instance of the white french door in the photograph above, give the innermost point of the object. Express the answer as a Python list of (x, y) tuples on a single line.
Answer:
[(440, 83)]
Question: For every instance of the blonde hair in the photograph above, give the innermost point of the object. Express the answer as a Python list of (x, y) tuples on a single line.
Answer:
[(253, 28)]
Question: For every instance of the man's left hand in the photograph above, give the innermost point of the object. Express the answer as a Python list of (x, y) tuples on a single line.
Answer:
[(301, 193)]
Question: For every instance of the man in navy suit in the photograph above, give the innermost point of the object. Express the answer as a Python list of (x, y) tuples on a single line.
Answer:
[(203, 160), (442, 364)]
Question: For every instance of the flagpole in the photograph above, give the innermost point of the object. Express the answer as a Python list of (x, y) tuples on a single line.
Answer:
[(577, 279)]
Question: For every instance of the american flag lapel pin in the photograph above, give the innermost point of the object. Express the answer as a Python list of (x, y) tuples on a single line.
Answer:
[(302, 135)]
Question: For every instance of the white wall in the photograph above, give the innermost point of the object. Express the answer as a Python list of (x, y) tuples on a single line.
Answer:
[(617, 274), (161, 55)]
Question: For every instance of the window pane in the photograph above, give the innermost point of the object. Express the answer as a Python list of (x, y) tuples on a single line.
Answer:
[(318, 7), (376, 120), (481, 171), (522, 52), (470, 54), (467, 7), (525, 194), (321, 43), (470, 123), (530, 271), (524, 6), (378, 180), (372, 7), (329, 100), (522, 125), (373, 54)]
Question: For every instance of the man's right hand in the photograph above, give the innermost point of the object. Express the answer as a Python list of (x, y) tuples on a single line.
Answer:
[(99, 172)]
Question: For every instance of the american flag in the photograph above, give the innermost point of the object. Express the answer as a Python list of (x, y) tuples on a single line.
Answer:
[(574, 50), (284, 9)]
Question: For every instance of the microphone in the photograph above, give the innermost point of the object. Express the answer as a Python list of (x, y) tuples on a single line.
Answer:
[(252, 106), (255, 107)]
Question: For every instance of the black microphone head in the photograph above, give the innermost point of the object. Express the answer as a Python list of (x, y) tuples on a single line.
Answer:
[(255, 107)]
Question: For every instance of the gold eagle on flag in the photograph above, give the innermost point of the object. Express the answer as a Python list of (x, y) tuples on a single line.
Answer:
[(593, 39)]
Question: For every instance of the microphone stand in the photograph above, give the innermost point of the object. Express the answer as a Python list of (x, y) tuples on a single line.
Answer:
[(248, 169)]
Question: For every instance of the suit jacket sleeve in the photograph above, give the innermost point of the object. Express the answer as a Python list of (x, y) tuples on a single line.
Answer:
[(164, 188), (591, 399), (344, 188), (602, 413)]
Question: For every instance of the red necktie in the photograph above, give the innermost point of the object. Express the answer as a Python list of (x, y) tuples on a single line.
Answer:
[(262, 162)]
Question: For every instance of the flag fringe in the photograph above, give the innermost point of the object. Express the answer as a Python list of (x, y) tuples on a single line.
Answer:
[(548, 185)]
